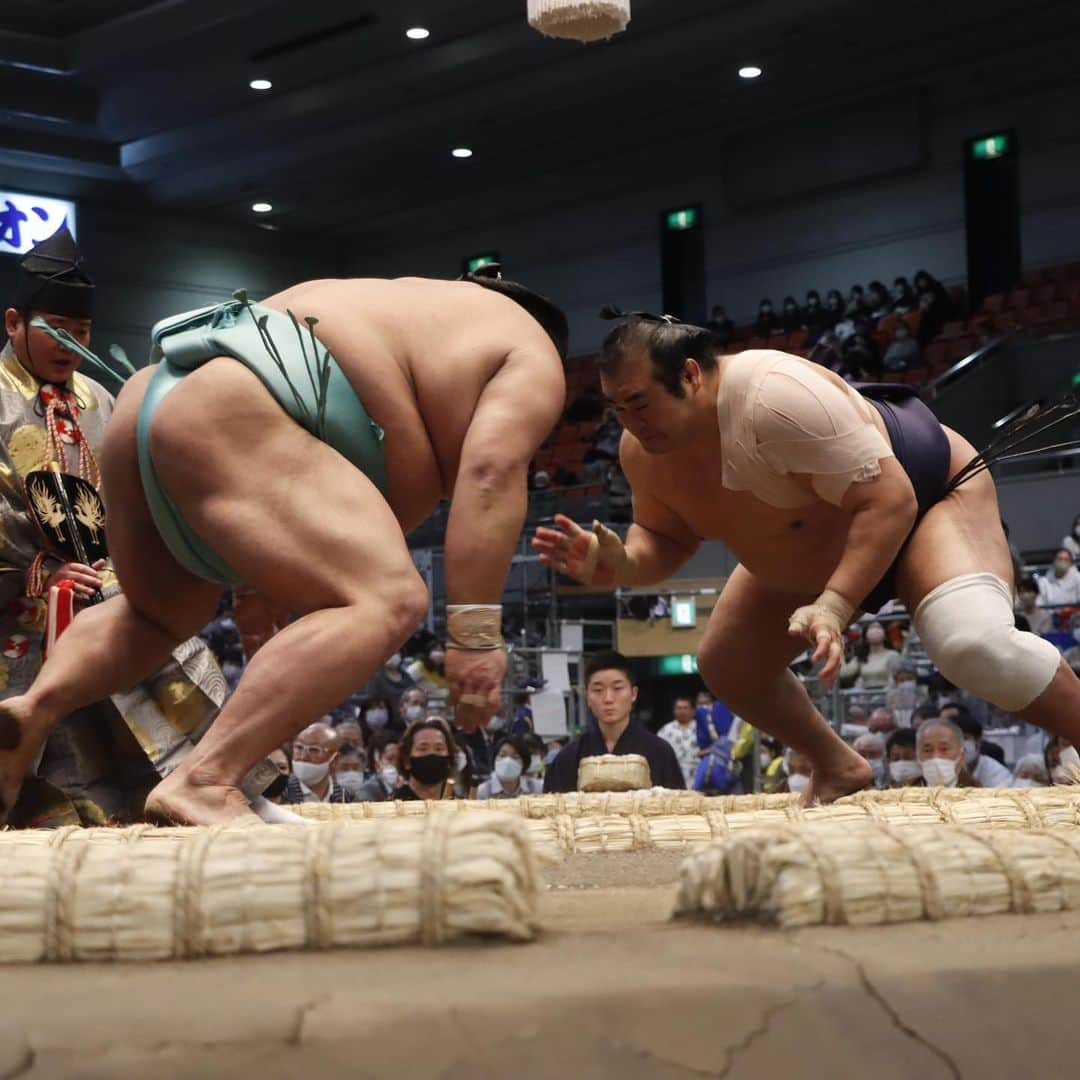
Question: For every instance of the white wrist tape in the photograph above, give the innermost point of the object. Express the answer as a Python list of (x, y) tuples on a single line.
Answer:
[(474, 626)]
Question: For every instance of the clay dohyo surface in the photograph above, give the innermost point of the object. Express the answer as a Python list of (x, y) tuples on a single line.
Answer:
[(611, 988)]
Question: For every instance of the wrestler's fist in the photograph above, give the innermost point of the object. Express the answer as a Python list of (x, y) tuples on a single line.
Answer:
[(592, 557), (475, 678)]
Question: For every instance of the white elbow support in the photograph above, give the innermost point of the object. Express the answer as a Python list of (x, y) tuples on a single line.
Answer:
[(969, 631)]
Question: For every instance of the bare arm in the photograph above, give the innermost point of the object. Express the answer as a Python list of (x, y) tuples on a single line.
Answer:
[(515, 413)]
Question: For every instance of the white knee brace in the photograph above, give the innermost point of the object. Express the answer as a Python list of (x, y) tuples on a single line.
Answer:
[(968, 630)]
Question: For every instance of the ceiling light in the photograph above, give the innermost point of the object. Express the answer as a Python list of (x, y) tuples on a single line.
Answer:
[(262, 207), (260, 84), (417, 33), (461, 152), (751, 71)]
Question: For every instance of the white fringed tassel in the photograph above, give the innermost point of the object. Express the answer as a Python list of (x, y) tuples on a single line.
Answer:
[(579, 20)]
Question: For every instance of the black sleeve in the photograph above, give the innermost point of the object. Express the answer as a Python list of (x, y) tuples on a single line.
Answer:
[(671, 775), (561, 774)]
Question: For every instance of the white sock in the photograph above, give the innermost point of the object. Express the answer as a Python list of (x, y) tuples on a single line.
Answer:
[(273, 814)]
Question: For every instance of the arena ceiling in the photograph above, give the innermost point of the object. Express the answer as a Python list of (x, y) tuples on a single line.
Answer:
[(149, 103)]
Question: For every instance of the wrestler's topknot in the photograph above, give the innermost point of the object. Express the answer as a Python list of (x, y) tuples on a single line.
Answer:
[(666, 340)]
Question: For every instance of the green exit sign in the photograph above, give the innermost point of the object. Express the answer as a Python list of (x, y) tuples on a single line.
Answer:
[(678, 665), (689, 217), (476, 262), (993, 146)]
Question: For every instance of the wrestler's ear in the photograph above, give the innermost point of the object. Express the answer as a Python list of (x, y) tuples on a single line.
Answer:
[(692, 374), (12, 321)]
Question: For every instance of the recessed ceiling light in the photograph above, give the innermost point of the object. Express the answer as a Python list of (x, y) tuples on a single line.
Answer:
[(461, 152), (751, 71), (262, 207), (260, 84), (417, 33)]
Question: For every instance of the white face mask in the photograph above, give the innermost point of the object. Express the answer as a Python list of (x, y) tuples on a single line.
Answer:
[(310, 772), (413, 712), (940, 772), (798, 783), (351, 780), (496, 723), (1061, 567), (878, 769), (377, 718), (508, 769), (971, 751), (389, 776), (904, 772)]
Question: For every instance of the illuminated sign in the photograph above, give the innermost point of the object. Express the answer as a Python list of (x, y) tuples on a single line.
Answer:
[(26, 220)]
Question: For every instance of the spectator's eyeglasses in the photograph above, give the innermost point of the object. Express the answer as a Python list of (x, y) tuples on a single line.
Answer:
[(311, 751)]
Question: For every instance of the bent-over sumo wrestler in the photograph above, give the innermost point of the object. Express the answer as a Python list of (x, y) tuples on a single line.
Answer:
[(834, 502), (290, 445)]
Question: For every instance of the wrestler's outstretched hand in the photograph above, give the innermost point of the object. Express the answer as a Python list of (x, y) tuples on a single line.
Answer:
[(822, 623), (475, 679), (592, 557)]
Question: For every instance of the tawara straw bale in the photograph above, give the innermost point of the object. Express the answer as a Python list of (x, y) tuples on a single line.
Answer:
[(144, 893), (614, 772), (873, 872)]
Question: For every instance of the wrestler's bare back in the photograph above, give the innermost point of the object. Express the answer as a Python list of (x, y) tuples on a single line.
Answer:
[(793, 550), (419, 353)]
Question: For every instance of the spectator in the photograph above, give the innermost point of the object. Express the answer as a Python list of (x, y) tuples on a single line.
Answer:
[(862, 356), (933, 300), (792, 319), (828, 353), (767, 323), (903, 296), (856, 304), (508, 779), (1062, 761), (922, 714), (314, 753), (607, 436), (903, 353), (873, 749), (1060, 585), (350, 770), (426, 759), (1039, 620), (412, 706), (389, 683), (882, 721), (1071, 543), (798, 770), (903, 768), (1030, 772), (351, 735), (681, 732), (814, 316), (878, 659), (834, 307), (877, 301), (535, 769), (723, 329), (939, 746), (383, 762), (611, 691), (906, 693), (982, 765), (428, 672), (1072, 653)]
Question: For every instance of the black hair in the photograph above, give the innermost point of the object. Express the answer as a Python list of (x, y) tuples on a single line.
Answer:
[(546, 312), (688, 698), (900, 737), (963, 719), (608, 661), (666, 341), (521, 748)]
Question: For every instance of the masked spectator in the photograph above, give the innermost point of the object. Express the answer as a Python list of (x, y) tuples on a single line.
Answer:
[(882, 722), (1071, 543), (828, 353), (798, 769), (834, 308), (988, 772), (385, 779), (508, 779), (792, 319), (1030, 772), (1072, 654), (933, 300), (412, 707), (1039, 620), (1062, 761), (426, 760), (767, 323), (903, 296), (872, 749), (314, 753), (939, 746), (814, 316), (903, 352), (723, 329), (389, 683), (862, 357), (878, 659), (1060, 585), (877, 301), (903, 766), (350, 769), (856, 303)]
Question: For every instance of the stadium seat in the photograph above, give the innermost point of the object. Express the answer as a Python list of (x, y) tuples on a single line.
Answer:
[(952, 330), (994, 303), (936, 358), (795, 340), (1045, 294), (1019, 299)]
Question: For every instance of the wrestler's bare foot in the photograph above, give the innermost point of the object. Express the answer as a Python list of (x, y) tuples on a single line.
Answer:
[(21, 735), (842, 775), (182, 800)]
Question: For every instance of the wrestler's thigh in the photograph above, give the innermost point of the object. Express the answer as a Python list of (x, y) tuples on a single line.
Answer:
[(746, 644), (155, 584), (290, 515), (962, 534)]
